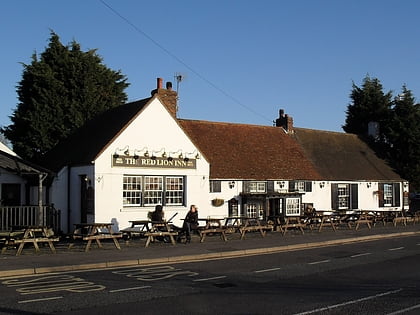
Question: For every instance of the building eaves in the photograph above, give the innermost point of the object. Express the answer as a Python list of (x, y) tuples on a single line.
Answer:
[(244, 151), (90, 140), (343, 156)]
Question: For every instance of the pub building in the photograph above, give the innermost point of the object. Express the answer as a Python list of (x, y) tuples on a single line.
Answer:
[(124, 162)]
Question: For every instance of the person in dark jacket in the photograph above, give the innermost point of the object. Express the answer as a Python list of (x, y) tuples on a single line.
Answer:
[(190, 222), (158, 215)]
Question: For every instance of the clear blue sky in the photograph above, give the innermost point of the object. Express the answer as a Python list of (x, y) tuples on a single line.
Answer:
[(242, 60)]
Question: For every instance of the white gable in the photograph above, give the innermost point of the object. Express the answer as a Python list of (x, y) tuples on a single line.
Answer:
[(4, 148), (156, 131)]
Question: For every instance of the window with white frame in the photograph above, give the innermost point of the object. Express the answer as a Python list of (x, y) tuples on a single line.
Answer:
[(257, 187), (292, 206), (343, 196), (153, 190), (174, 192), (141, 190), (251, 210), (388, 192), (132, 191), (299, 186), (215, 186)]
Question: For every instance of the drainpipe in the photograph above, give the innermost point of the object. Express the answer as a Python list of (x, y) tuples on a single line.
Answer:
[(68, 198), (41, 177)]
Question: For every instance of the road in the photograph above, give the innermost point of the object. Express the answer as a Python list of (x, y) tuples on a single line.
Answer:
[(381, 277)]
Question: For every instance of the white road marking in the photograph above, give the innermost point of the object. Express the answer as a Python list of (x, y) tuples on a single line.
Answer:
[(319, 262), (349, 302), (396, 248), (267, 270), (40, 300), (129, 289), (359, 255), (208, 279), (404, 310)]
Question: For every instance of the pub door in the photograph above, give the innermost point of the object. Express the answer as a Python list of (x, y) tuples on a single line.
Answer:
[(275, 207)]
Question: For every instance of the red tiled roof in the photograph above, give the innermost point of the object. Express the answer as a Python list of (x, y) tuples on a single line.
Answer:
[(242, 151), (343, 156)]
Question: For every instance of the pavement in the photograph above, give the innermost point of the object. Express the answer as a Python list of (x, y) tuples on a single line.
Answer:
[(133, 253)]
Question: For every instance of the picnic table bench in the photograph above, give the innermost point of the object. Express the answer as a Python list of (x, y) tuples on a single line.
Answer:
[(95, 232), (365, 218), (254, 225), (160, 229), (213, 226), (293, 222), (30, 234), (138, 228)]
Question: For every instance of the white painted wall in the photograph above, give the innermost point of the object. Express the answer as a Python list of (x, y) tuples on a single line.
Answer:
[(155, 129)]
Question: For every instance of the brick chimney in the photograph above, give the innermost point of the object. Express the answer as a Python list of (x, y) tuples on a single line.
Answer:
[(168, 97), (285, 121)]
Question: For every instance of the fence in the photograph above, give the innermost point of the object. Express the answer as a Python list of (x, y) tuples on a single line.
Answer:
[(29, 215)]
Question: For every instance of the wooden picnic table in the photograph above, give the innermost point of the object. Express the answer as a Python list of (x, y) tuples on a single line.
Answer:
[(253, 224), (293, 222), (213, 226), (160, 229), (95, 232), (331, 219), (137, 227), (233, 223), (29, 234)]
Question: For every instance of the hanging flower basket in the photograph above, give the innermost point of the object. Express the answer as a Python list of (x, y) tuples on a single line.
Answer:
[(217, 202), (379, 193)]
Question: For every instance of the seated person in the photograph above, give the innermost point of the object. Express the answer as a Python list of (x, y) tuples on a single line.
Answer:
[(158, 215), (190, 223)]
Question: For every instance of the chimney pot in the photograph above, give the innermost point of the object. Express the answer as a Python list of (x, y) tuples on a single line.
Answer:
[(169, 86), (159, 83)]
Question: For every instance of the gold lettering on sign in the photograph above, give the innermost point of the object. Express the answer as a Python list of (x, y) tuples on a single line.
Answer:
[(130, 161)]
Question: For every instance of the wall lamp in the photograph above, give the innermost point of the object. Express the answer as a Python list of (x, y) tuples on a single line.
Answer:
[(321, 184), (231, 184), (153, 157), (368, 185), (174, 153), (281, 184), (145, 150), (194, 153), (126, 151)]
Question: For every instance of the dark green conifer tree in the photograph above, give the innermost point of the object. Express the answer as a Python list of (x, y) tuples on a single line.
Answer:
[(369, 104), (58, 93), (404, 137)]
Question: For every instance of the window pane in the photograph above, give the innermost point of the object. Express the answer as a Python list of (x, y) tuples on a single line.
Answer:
[(174, 194), (215, 186), (153, 190), (343, 196), (292, 206), (132, 190), (388, 192), (300, 186), (257, 187)]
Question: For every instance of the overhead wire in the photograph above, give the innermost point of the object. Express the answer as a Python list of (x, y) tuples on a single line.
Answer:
[(169, 53)]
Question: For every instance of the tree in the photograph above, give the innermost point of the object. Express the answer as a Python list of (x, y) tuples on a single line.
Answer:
[(404, 137), (58, 93), (369, 104), (399, 128)]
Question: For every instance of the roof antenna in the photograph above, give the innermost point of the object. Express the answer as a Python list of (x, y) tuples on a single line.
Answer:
[(178, 78)]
